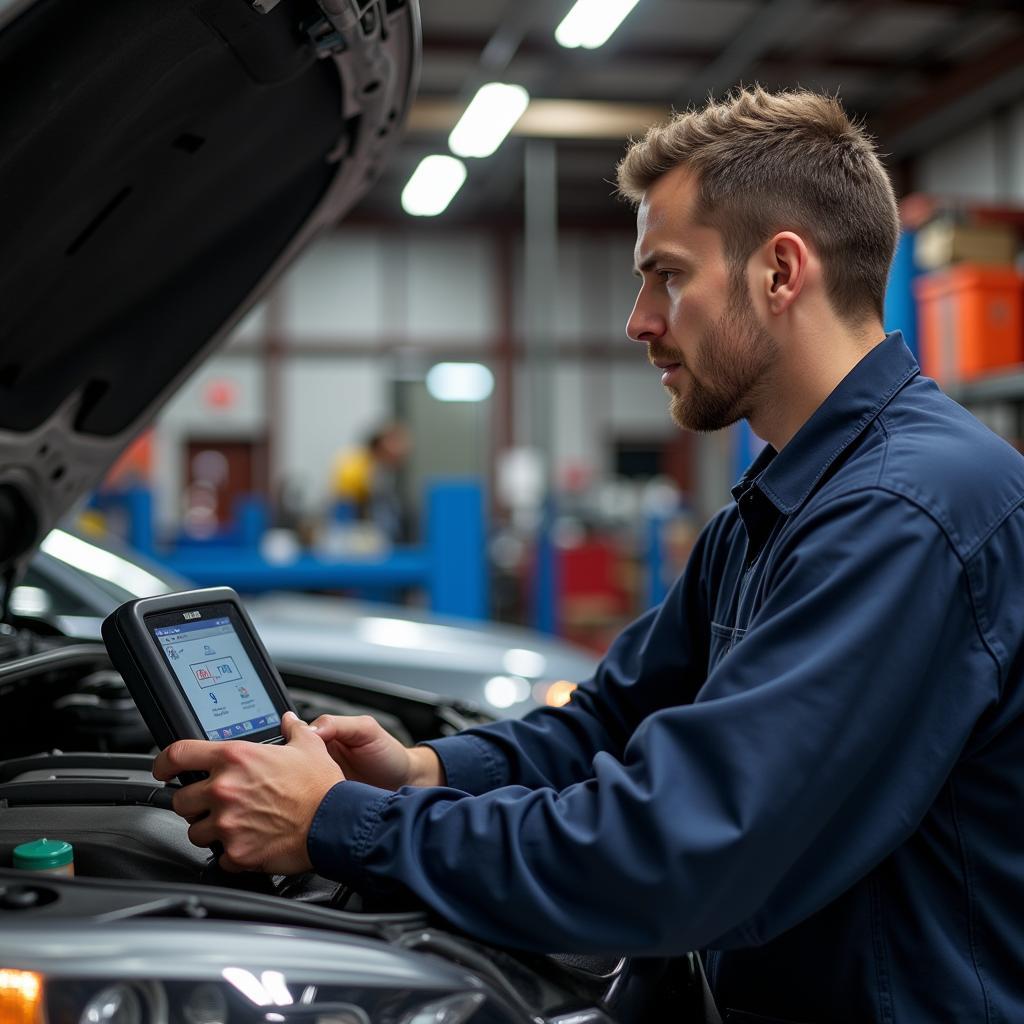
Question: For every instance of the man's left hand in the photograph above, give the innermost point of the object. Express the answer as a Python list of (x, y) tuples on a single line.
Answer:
[(259, 800)]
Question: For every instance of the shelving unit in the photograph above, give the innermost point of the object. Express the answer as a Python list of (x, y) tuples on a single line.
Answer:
[(997, 399), (995, 387)]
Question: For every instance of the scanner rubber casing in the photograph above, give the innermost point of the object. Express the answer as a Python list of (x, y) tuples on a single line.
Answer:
[(157, 693)]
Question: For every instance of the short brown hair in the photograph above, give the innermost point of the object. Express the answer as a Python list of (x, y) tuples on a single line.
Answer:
[(768, 162)]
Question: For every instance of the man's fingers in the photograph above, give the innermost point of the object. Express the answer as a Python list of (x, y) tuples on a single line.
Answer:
[(191, 801), (202, 833), (349, 730), (296, 731), (230, 865), (184, 756)]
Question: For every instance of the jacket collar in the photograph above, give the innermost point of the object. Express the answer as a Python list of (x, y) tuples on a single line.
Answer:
[(787, 478)]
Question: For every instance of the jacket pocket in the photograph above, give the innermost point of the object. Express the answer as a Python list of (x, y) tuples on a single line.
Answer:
[(723, 640)]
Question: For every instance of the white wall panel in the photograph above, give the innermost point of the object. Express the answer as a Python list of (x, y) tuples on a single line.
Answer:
[(596, 308), (639, 403), (250, 330), (963, 166), (594, 287), (597, 402), (191, 412), (575, 442), (450, 289), (576, 413), (622, 285), (336, 290), (328, 405), (568, 289), (986, 162), (364, 287)]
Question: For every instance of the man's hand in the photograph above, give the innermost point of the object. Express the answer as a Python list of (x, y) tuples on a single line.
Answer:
[(367, 753), (259, 800)]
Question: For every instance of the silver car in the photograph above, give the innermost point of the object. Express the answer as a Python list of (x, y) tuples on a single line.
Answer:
[(75, 580)]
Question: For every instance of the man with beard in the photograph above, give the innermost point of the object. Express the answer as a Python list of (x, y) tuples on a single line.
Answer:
[(808, 762)]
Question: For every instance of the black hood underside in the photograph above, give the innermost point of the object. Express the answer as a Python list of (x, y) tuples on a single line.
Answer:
[(162, 162), (158, 155)]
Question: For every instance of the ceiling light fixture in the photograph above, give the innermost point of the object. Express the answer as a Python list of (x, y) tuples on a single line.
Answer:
[(460, 382), (591, 22), (433, 186), (490, 116)]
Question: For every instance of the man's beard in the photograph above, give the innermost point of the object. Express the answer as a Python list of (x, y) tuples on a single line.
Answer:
[(733, 358)]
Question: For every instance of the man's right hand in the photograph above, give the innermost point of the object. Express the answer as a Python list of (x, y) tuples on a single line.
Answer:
[(367, 753)]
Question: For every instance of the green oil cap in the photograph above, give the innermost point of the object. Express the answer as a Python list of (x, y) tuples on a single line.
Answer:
[(43, 855)]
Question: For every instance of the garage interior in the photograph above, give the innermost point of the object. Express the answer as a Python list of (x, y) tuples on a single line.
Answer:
[(572, 500)]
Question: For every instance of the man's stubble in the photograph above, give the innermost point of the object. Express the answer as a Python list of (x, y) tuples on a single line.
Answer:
[(733, 360)]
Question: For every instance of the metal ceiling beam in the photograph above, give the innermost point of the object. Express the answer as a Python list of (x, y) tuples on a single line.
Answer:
[(497, 52), (436, 46), (495, 57), (969, 92), (765, 29)]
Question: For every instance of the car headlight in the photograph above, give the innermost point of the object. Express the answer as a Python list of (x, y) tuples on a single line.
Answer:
[(206, 1004), (21, 997), (154, 1002), (116, 1004), (210, 972)]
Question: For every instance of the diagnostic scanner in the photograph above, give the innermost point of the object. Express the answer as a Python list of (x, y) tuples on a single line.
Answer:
[(197, 668)]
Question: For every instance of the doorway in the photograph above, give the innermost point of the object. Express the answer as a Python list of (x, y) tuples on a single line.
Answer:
[(218, 473)]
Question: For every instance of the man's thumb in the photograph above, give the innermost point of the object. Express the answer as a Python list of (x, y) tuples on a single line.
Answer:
[(295, 729)]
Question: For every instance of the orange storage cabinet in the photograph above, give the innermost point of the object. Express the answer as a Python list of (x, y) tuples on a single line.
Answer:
[(970, 321)]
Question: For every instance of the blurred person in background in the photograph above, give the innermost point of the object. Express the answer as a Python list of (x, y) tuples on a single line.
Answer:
[(367, 479)]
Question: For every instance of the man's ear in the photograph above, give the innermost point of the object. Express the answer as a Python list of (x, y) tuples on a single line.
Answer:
[(784, 268)]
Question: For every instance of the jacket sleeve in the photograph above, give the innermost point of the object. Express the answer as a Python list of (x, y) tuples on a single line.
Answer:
[(658, 661), (815, 748)]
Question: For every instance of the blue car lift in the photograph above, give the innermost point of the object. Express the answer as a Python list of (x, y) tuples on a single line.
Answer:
[(451, 565)]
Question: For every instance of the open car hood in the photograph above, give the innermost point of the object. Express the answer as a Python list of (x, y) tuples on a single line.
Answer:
[(163, 162)]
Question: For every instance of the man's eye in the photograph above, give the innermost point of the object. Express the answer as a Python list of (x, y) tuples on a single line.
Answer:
[(666, 275)]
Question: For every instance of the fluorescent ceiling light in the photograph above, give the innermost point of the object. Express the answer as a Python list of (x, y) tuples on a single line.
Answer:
[(591, 22), (433, 186), (460, 382), (489, 117)]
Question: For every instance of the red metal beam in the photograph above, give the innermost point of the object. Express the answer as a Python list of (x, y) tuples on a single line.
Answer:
[(965, 78)]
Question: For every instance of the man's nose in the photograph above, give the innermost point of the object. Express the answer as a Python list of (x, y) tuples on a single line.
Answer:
[(645, 323)]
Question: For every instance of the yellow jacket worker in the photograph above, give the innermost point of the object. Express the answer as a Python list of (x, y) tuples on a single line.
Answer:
[(367, 478)]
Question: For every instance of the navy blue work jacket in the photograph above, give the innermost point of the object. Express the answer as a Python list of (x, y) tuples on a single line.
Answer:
[(808, 761)]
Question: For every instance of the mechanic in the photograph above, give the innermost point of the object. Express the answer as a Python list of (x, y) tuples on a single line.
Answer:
[(809, 760), (367, 478)]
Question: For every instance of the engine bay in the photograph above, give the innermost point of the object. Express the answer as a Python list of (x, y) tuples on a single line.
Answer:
[(73, 741), (75, 766)]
